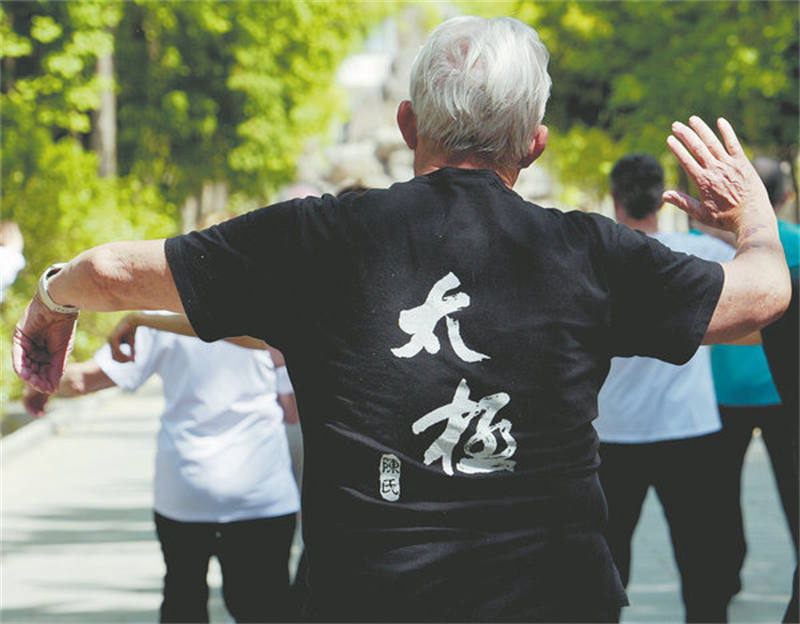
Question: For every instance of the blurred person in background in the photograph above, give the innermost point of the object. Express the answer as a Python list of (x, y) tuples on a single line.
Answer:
[(781, 341), (447, 341), (12, 260), (748, 400), (223, 482), (658, 424)]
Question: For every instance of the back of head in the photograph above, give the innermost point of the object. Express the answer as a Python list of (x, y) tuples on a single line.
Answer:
[(637, 182), (774, 178), (480, 87)]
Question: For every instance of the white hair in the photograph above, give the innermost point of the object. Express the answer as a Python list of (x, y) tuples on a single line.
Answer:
[(480, 86)]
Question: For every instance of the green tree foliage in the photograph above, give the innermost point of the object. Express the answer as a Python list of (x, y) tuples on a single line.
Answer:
[(230, 90), (50, 185), (624, 71), (206, 91)]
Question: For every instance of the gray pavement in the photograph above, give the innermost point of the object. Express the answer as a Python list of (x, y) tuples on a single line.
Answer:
[(78, 543), (78, 540)]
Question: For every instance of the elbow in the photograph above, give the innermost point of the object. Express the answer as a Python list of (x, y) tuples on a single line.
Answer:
[(103, 270), (750, 301), (776, 300), (769, 300)]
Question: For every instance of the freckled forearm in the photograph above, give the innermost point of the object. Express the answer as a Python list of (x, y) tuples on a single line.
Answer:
[(118, 276)]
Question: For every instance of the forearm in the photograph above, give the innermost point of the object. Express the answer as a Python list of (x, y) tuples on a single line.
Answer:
[(83, 378), (118, 276), (289, 405), (173, 323), (179, 324)]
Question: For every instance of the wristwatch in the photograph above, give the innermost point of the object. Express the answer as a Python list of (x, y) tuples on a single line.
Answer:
[(44, 294)]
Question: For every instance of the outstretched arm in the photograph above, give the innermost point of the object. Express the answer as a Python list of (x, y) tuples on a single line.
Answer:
[(115, 276), (125, 333), (288, 404), (78, 379), (756, 290)]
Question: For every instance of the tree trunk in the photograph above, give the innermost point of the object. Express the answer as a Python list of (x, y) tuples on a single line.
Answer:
[(104, 129)]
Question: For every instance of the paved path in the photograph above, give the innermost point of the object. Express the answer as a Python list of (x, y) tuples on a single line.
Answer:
[(78, 543), (78, 540)]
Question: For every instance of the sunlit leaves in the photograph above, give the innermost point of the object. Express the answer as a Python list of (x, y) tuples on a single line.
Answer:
[(630, 68), (206, 91), (44, 29)]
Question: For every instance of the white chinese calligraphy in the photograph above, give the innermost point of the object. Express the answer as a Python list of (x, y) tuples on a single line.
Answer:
[(481, 449), (471, 442), (420, 322)]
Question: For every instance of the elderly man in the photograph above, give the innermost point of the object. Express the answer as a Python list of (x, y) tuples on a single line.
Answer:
[(447, 341)]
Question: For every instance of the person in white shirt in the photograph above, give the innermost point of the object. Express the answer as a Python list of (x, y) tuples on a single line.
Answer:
[(12, 260), (658, 424), (223, 479)]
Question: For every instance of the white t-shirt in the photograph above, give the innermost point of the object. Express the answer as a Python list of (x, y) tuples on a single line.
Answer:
[(646, 400), (11, 263), (222, 453)]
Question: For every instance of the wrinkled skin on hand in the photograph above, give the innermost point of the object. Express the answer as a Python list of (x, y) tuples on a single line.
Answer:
[(41, 345), (123, 334), (726, 181)]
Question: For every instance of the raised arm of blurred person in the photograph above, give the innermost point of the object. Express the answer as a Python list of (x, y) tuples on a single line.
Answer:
[(12, 260), (125, 334), (79, 378), (756, 290)]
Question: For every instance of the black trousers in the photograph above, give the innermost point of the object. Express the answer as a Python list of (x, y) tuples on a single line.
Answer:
[(253, 555), (779, 431), (686, 479)]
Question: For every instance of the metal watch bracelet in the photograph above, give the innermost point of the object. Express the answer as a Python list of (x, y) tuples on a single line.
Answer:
[(44, 294)]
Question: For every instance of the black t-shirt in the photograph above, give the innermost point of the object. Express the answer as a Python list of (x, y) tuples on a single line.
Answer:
[(447, 341)]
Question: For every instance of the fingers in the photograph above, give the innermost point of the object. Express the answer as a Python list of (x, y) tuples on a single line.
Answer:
[(684, 158), (120, 356), (40, 349), (29, 364), (41, 381), (118, 353), (19, 342), (34, 401), (708, 137), (729, 136), (693, 142), (124, 334), (42, 376), (685, 202)]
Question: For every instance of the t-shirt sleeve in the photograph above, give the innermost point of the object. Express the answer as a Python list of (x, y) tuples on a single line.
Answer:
[(661, 301), (246, 276)]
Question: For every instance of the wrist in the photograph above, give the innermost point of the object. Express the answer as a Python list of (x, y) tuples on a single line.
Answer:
[(43, 292), (134, 319)]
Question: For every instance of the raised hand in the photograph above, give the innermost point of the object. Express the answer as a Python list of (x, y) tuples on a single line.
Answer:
[(123, 334), (41, 344), (729, 187)]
